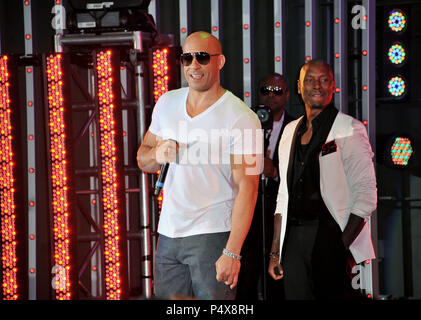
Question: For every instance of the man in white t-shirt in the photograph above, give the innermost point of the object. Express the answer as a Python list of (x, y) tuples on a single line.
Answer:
[(213, 143)]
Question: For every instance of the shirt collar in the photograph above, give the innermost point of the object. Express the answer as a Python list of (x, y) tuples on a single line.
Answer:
[(324, 116)]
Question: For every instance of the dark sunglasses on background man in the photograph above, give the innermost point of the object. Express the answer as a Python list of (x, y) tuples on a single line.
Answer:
[(267, 89), (202, 57)]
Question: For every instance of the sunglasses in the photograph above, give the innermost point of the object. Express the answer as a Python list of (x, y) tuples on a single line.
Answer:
[(268, 89), (202, 57)]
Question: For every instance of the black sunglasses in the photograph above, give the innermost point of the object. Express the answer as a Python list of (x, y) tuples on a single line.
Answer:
[(267, 89), (202, 57)]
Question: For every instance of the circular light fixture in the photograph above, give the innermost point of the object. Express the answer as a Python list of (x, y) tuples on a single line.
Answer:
[(396, 54), (401, 151), (397, 20), (396, 86)]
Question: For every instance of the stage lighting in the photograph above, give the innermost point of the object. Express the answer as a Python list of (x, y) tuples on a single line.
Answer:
[(110, 198), (59, 177), (396, 150), (396, 54), (160, 67), (397, 20), (394, 70), (401, 151), (7, 189), (100, 16), (396, 86)]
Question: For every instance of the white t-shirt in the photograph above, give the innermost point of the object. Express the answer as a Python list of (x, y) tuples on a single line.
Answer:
[(199, 191)]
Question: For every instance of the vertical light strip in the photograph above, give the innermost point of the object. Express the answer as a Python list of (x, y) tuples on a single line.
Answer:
[(369, 273), (215, 18), (125, 121), (247, 59), (278, 35), (184, 31), (340, 55), (7, 190), (59, 177), (160, 72), (310, 29), (110, 201), (31, 152)]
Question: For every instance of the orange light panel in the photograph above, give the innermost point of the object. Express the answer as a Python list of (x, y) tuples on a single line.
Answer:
[(7, 190), (59, 177), (109, 176), (160, 69)]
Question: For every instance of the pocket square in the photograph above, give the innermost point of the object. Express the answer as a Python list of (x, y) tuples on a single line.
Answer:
[(328, 147)]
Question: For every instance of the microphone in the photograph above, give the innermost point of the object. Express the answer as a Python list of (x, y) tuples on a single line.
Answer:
[(162, 175), (161, 178)]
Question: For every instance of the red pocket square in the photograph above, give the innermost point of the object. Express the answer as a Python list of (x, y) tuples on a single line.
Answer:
[(329, 147)]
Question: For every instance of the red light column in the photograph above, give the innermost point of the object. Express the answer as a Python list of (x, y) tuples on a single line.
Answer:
[(7, 190), (160, 72), (59, 178), (110, 191)]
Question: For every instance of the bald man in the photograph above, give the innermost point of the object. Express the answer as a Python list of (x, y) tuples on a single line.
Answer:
[(273, 92), (212, 141), (327, 193)]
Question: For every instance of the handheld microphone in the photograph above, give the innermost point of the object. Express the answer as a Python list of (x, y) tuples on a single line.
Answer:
[(161, 178), (162, 175)]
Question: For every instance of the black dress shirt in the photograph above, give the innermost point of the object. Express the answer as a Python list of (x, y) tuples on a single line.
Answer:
[(305, 200)]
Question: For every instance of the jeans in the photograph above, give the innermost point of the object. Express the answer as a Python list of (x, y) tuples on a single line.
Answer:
[(186, 267)]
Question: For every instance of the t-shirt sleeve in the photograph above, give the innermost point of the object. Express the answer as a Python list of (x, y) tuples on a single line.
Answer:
[(247, 135)]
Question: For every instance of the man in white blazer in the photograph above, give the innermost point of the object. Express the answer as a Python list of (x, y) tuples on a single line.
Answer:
[(326, 195)]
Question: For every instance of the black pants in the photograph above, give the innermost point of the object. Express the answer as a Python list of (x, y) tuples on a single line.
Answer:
[(316, 263)]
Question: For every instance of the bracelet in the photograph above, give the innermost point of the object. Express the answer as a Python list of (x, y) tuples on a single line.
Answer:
[(274, 255), (231, 255)]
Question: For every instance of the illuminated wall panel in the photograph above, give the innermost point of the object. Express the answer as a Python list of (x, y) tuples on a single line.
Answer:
[(110, 187), (59, 178), (7, 190)]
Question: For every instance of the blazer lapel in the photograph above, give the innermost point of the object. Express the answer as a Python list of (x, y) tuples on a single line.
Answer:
[(287, 119), (292, 156)]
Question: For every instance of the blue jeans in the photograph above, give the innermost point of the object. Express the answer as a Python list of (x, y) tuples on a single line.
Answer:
[(186, 266)]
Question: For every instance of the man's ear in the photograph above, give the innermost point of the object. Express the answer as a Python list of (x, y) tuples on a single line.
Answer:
[(298, 87), (221, 61)]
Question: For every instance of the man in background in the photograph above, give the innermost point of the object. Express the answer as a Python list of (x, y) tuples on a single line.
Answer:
[(273, 92)]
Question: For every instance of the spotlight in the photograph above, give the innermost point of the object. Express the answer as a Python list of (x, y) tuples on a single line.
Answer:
[(396, 150), (397, 20), (396, 54), (396, 86), (401, 151)]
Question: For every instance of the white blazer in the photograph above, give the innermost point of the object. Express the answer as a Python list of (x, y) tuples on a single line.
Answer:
[(347, 179)]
